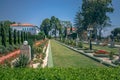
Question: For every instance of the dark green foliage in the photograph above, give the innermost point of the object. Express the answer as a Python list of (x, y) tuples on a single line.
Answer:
[(22, 37), (111, 55), (65, 32), (60, 74), (18, 35), (45, 26), (3, 35), (26, 36), (16, 47), (3, 49), (10, 36), (10, 48), (80, 44), (22, 61), (15, 37)]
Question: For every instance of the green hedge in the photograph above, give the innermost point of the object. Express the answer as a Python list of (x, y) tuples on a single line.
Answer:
[(60, 74)]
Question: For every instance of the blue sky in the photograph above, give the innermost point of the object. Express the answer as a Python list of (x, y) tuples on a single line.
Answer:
[(34, 11)]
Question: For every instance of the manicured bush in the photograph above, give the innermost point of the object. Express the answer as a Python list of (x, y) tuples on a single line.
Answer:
[(60, 74)]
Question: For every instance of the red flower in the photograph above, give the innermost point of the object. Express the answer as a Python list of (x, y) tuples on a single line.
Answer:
[(101, 52)]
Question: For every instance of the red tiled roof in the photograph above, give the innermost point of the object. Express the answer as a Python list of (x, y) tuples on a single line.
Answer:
[(26, 24)]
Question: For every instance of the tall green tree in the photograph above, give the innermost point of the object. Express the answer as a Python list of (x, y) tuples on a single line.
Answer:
[(22, 37), (10, 36), (18, 35), (3, 35), (15, 37), (45, 26), (65, 32), (95, 13), (55, 24)]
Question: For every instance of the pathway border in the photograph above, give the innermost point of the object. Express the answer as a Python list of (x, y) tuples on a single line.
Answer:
[(92, 57), (50, 59)]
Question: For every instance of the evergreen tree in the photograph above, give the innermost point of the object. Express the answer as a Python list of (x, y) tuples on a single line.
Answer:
[(22, 37), (3, 35), (15, 36), (10, 36), (18, 35)]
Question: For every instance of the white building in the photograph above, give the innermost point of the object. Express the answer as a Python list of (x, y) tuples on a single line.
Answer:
[(26, 27)]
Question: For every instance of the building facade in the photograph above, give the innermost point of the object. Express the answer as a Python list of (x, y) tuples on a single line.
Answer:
[(34, 30)]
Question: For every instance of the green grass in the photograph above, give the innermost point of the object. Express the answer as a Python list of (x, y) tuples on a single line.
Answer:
[(103, 48), (64, 57)]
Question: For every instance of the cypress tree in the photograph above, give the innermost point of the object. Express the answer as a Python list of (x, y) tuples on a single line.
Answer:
[(15, 37), (18, 35), (3, 35), (22, 37), (10, 36), (26, 35)]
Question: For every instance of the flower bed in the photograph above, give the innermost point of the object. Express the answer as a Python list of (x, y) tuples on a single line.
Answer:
[(101, 52), (9, 56), (39, 53)]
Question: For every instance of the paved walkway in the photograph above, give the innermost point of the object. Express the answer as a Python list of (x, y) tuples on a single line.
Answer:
[(50, 60), (102, 43)]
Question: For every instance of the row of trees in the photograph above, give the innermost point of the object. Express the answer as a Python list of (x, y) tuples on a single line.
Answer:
[(48, 24), (93, 13), (12, 37)]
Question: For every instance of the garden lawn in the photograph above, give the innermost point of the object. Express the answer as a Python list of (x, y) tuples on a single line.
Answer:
[(64, 57), (102, 48)]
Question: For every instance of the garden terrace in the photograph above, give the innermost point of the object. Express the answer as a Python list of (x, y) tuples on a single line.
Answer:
[(64, 57)]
